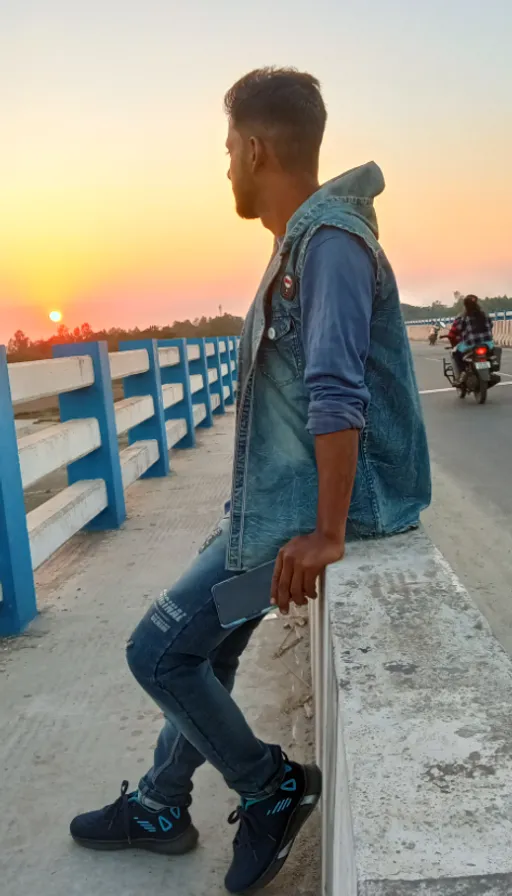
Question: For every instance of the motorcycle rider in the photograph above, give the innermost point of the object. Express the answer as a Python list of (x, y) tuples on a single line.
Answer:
[(432, 336), (471, 328)]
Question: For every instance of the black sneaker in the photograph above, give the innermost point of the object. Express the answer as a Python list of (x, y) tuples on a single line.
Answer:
[(127, 823), (268, 828)]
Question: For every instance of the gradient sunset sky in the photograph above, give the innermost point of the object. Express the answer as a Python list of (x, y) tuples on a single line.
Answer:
[(114, 203)]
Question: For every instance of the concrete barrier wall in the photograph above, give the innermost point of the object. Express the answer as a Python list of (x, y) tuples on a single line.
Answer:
[(170, 387), (502, 331), (412, 697)]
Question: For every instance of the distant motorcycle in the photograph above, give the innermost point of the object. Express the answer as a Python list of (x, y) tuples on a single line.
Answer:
[(479, 372), (432, 338)]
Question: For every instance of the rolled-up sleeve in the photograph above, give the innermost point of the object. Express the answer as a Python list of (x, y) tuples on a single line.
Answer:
[(337, 290)]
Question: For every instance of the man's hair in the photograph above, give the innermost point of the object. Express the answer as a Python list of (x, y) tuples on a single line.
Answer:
[(287, 105)]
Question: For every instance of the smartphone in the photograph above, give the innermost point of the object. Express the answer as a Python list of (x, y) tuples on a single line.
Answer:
[(244, 597)]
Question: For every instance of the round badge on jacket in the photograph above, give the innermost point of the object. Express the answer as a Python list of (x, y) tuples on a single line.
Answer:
[(288, 287)]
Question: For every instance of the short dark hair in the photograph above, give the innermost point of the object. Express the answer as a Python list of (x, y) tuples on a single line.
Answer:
[(288, 105)]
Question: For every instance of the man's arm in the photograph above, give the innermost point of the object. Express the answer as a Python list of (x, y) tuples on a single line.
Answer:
[(336, 459), (337, 291)]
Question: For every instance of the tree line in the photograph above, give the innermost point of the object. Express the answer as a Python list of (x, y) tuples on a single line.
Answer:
[(438, 310), (22, 348)]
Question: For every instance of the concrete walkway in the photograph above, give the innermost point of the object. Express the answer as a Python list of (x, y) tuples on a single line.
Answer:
[(73, 723)]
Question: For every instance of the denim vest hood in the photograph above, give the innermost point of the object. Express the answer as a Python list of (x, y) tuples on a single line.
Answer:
[(275, 483)]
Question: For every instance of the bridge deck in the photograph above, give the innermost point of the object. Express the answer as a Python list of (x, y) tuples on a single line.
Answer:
[(74, 723)]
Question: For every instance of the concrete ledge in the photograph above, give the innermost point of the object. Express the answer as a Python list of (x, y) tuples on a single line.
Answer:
[(196, 382), (169, 356), (53, 523), (43, 452), (130, 411), (31, 380), (172, 394), (127, 363), (199, 412), (175, 430), (193, 352), (136, 459), (413, 729)]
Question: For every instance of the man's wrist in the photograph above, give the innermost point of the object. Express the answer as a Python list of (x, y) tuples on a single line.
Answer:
[(334, 535)]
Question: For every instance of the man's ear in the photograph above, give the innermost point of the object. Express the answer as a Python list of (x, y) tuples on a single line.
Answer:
[(257, 153)]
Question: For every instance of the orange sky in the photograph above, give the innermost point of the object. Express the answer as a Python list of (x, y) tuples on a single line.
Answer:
[(114, 203)]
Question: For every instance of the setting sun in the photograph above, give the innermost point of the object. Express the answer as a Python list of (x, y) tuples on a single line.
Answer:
[(55, 316)]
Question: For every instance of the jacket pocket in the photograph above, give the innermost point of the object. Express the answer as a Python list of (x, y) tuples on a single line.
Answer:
[(279, 354)]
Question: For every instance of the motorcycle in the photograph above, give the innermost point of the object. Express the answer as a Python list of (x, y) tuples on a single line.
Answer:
[(479, 372), (432, 339)]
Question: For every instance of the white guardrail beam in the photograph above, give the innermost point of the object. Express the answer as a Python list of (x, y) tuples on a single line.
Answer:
[(170, 388)]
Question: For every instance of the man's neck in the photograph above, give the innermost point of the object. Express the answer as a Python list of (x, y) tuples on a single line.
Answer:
[(282, 202)]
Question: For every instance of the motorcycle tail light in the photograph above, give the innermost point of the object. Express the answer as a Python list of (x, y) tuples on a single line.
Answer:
[(482, 350)]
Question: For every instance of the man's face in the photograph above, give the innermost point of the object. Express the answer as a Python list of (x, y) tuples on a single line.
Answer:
[(240, 149)]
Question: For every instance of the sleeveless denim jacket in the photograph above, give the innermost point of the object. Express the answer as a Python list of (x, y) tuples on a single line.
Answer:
[(275, 483)]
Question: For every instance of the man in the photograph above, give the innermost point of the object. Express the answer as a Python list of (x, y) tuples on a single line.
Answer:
[(471, 328), (329, 444)]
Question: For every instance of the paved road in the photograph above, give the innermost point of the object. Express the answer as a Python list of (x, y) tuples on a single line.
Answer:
[(470, 520)]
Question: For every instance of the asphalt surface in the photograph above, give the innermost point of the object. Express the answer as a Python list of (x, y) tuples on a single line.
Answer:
[(470, 519)]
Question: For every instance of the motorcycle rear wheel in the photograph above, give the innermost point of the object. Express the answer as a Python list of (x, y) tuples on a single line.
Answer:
[(481, 395)]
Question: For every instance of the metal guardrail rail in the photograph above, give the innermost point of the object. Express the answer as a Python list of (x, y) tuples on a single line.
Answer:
[(170, 387)]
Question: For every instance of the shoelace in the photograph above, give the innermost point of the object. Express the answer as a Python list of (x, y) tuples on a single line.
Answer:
[(121, 805), (247, 834)]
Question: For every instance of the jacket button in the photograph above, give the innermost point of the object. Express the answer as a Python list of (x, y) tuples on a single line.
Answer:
[(271, 333)]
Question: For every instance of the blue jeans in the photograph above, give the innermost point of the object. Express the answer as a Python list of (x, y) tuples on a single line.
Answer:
[(187, 663)]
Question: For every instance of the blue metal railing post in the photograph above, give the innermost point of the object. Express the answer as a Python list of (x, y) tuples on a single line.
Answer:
[(234, 342), (18, 595), (214, 363), (97, 401), (225, 358), (200, 366), (179, 373), (148, 383)]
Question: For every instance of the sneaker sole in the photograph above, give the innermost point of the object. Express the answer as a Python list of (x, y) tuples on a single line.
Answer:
[(186, 842), (312, 794)]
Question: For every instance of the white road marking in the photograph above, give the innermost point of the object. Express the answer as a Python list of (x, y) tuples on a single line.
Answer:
[(450, 388), (434, 391)]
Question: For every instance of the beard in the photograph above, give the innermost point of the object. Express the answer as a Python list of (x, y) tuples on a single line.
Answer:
[(245, 202)]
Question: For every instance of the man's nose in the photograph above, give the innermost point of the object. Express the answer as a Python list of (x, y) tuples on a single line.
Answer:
[(229, 173)]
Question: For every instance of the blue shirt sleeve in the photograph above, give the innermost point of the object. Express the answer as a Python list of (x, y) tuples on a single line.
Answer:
[(337, 290)]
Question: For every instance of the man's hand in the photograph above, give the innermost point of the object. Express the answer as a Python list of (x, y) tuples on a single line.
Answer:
[(298, 566)]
